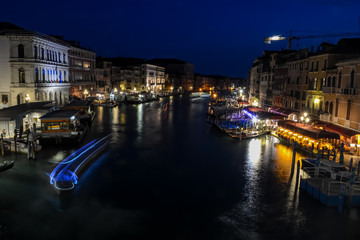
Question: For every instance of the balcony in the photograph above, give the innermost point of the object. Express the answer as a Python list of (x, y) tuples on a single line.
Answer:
[(52, 84), (348, 91), (22, 85)]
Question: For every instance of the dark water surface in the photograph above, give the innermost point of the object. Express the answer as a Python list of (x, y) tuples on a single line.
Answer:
[(168, 175)]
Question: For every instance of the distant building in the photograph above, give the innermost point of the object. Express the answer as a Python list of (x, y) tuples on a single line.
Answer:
[(103, 76), (154, 77), (180, 73), (82, 63), (33, 66)]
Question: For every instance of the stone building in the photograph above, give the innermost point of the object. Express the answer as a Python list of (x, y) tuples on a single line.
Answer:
[(154, 77), (180, 73), (82, 63), (103, 76), (33, 66)]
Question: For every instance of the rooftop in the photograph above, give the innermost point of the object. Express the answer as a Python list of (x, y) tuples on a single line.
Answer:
[(12, 112), (60, 114)]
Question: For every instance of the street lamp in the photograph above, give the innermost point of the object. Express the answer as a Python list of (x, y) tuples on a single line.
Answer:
[(27, 98), (304, 118), (85, 93)]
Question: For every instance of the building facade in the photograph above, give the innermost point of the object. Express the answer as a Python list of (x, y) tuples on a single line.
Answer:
[(82, 65), (33, 67)]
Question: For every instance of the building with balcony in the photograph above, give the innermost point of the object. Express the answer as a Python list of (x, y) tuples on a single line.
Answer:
[(154, 77), (82, 63), (33, 66), (104, 76)]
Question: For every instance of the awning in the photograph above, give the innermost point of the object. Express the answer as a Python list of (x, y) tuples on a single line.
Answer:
[(308, 131), (348, 133)]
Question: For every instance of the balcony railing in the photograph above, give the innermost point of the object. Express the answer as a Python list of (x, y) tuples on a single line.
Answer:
[(52, 84), (349, 91)]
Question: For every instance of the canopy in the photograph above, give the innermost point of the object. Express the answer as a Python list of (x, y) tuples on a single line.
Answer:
[(308, 131)]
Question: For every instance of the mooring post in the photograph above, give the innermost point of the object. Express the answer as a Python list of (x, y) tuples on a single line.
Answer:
[(2, 145), (341, 199)]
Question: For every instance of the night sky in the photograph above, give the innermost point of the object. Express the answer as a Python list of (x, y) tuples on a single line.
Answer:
[(218, 37)]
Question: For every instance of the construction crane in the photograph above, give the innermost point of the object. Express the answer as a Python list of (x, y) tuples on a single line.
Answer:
[(290, 38)]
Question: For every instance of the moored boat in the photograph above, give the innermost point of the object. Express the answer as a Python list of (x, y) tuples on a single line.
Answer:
[(6, 165)]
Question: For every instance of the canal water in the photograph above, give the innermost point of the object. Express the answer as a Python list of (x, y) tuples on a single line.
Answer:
[(168, 175)]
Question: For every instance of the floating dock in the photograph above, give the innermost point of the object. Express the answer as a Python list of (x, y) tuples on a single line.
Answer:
[(329, 191)]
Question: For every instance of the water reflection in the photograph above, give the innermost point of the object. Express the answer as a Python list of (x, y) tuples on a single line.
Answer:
[(254, 152)]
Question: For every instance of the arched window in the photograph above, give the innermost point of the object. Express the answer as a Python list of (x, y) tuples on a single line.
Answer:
[(36, 74), (48, 73), (333, 81), (43, 75), (339, 79), (21, 51), (326, 106), (329, 81), (64, 58), (65, 76), (59, 56), (352, 79), (21, 75), (35, 52), (42, 53), (60, 80), (331, 108)]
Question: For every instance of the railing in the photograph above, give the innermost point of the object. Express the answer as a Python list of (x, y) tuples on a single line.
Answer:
[(328, 180), (348, 91)]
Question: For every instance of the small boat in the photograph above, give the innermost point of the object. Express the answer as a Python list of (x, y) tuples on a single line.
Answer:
[(204, 95), (6, 165)]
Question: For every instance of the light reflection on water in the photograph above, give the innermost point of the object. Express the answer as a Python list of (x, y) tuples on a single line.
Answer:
[(168, 173)]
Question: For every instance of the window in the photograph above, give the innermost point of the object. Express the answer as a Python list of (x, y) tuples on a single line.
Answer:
[(20, 51), (59, 57), (35, 52), (21, 75), (325, 63), (352, 79), (4, 99), (329, 81), (36, 74), (339, 82), (333, 81), (64, 58), (317, 66), (43, 73), (42, 54)]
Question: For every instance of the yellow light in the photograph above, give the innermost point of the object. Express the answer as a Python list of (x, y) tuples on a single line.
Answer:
[(214, 95), (316, 100), (200, 89)]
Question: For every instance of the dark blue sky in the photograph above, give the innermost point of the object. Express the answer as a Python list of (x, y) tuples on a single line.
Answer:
[(218, 37)]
